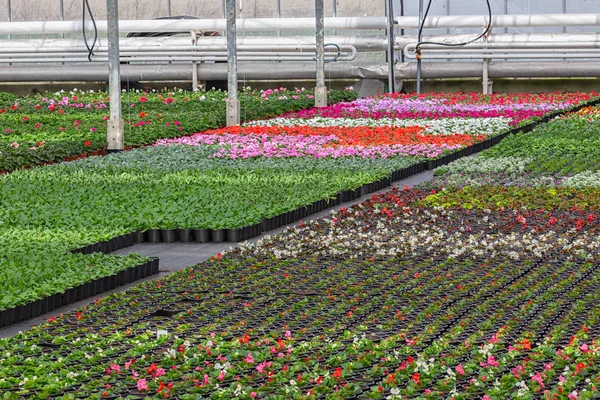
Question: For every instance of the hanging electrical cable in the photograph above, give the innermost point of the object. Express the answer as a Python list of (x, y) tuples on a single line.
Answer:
[(86, 5), (485, 32)]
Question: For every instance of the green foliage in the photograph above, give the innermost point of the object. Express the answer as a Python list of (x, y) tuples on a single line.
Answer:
[(47, 211), (50, 128)]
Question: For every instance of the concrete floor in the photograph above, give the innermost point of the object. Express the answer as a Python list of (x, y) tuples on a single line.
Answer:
[(177, 256)]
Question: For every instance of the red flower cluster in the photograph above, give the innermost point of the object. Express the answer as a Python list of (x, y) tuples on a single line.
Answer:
[(358, 136)]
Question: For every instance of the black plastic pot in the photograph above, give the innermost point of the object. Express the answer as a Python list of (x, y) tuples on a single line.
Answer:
[(219, 235), (169, 235), (186, 235), (202, 235), (154, 236), (234, 235), (140, 237)]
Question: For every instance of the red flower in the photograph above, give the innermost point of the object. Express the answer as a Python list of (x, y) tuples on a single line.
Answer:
[(87, 143), (338, 373), (143, 99), (416, 378), (143, 114)]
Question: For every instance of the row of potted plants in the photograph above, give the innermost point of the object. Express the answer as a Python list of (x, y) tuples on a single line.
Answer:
[(51, 127), (387, 299)]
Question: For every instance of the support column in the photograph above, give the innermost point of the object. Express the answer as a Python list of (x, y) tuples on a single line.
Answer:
[(390, 48), (194, 63), (320, 89), (115, 128), (419, 40), (9, 13), (233, 104)]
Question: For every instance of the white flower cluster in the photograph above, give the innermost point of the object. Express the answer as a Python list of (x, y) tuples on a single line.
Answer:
[(479, 164), (587, 179), (442, 126), (409, 233)]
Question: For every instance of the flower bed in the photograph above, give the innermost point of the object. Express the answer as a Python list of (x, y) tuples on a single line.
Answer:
[(232, 185), (383, 300), (430, 126), (517, 107), (51, 127), (559, 160)]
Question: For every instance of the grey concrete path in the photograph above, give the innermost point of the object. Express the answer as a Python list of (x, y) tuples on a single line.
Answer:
[(177, 256)]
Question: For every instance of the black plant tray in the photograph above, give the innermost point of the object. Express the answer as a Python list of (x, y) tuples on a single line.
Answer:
[(494, 140), (22, 313)]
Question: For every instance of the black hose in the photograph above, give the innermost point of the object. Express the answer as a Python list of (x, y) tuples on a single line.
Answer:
[(90, 49), (487, 29)]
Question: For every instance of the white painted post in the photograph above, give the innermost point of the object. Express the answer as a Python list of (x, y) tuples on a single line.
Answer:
[(320, 89), (233, 104), (115, 128)]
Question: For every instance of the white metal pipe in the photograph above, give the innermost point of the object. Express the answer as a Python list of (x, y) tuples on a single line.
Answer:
[(506, 46), (262, 24), (102, 59), (374, 43), (95, 72), (176, 49), (514, 21), (505, 38), (253, 24)]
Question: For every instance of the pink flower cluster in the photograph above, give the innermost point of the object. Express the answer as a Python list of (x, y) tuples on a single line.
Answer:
[(285, 146), (427, 109)]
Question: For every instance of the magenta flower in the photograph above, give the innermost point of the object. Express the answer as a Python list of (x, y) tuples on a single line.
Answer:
[(460, 369), (142, 385)]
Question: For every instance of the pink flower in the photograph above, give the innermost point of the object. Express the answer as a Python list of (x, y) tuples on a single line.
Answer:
[(142, 385), (94, 129), (8, 131), (584, 347), (288, 334), (159, 372), (38, 125), (460, 369), (221, 358), (492, 361), (221, 376), (561, 379), (486, 397), (547, 366), (573, 395), (538, 378), (260, 367), (249, 359), (253, 394)]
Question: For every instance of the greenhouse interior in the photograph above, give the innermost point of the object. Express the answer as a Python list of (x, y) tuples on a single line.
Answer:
[(275, 199)]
